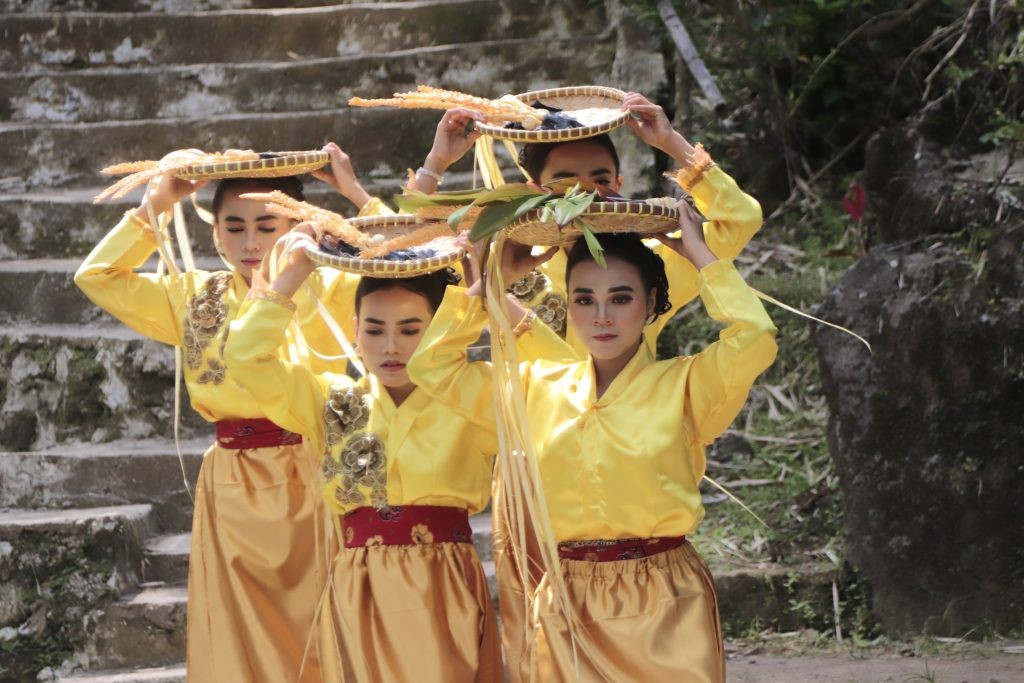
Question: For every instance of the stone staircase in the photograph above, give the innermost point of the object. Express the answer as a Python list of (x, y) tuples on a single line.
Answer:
[(94, 514)]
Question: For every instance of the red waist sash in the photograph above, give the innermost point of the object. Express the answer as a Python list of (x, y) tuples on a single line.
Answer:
[(612, 550), (255, 432), (406, 525)]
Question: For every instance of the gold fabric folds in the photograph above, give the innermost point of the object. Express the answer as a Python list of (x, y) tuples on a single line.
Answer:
[(258, 566), (653, 619), (402, 613)]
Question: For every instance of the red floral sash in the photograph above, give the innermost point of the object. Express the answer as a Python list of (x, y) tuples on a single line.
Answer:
[(406, 525), (624, 549), (256, 432)]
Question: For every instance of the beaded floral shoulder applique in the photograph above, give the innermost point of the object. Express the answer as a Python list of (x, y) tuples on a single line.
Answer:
[(552, 309), (360, 467), (206, 313)]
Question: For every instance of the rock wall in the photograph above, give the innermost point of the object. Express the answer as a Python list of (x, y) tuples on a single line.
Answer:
[(926, 432)]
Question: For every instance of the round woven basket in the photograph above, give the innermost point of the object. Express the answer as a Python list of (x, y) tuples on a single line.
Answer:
[(268, 165), (447, 253), (596, 107), (643, 218)]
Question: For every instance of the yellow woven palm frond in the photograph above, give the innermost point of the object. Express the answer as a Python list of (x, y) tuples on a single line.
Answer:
[(141, 172), (502, 110)]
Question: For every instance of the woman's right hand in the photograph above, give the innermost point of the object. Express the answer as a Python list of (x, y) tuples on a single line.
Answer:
[(168, 192), (451, 142)]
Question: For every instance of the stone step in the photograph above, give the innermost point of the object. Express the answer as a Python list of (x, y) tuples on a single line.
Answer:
[(120, 473), (146, 629), (64, 223), (58, 568), (86, 383), (771, 595), (172, 673), (385, 142), (167, 558), (491, 68), (92, 39), (43, 291), (165, 6)]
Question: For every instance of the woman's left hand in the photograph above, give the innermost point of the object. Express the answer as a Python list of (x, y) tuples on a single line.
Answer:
[(342, 176), (690, 244)]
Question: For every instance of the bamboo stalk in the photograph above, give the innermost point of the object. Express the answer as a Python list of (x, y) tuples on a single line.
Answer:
[(681, 37)]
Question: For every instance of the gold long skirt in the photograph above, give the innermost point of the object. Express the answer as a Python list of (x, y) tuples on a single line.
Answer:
[(257, 568), (416, 613), (653, 619)]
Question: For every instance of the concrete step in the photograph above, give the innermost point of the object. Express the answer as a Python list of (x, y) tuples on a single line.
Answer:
[(110, 93), (119, 473), (71, 155), (172, 673), (90, 39), (146, 629), (92, 384), (64, 223)]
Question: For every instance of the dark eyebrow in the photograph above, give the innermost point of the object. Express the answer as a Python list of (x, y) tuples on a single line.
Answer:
[(406, 321), (268, 217), (237, 219), (621, 288), (583, 290), (564, 174), (599, 171)]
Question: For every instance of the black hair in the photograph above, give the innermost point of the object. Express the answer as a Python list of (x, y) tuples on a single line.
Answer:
[(430, 286), (631, 249), (534, 156), (290, 185)]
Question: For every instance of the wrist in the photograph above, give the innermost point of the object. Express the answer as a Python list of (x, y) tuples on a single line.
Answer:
[(679, 149), (435, 163)]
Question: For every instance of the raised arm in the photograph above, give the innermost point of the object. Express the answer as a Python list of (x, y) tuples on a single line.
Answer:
[(289, 395), (733, 217), (341, 175), (440, 365), (107, 276), (721, 375)]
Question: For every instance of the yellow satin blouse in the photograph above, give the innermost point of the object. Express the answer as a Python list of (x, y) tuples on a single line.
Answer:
[(733, 219), (193, 311), (628, 464), (375, 453)]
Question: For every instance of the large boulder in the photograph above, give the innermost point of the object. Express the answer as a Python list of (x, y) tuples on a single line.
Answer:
[(927, 431)]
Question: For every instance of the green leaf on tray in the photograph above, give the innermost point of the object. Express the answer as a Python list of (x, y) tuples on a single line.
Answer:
[(596, 250), (495, 217)]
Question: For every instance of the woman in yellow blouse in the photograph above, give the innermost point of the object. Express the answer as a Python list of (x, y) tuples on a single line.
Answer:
[(733, 217), (622, 493), (408, 599), (257, 564)]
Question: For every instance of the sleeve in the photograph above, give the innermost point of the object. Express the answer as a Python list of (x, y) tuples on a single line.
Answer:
[(720, 377), (541, 342), (289, 395), (375, 207), (440, 365), (733, 219), (139, 300)]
